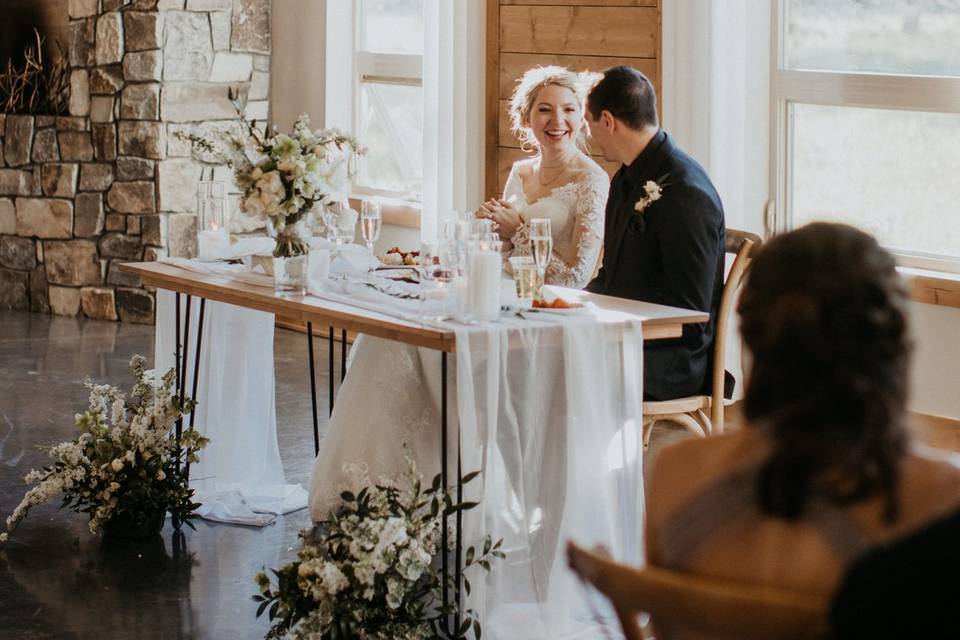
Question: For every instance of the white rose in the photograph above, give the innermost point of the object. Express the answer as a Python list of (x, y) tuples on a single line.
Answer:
[(117, 464), (161, 475), (652, 189)]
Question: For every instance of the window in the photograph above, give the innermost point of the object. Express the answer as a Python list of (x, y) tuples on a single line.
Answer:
[(867, 117), (377, 91)]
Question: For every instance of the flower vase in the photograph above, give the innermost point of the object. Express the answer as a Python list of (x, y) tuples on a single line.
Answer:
[(129, 525), (290, 260)]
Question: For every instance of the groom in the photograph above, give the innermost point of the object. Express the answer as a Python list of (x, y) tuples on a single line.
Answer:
[(664, 234)]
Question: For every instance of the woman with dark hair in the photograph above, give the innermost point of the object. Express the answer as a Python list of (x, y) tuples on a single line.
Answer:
[(823, 470)]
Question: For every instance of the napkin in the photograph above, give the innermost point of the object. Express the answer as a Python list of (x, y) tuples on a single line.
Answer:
[(348, 259)]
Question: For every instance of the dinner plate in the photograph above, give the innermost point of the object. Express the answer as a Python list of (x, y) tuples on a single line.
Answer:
[(570, 311)]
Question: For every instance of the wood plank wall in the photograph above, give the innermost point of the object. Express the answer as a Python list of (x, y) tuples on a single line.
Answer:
[(584, 35)]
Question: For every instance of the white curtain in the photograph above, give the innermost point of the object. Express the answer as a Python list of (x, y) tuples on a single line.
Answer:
[(453, 101), (716, 104)]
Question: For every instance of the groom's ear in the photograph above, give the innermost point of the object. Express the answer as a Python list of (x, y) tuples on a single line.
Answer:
[(608, 121)]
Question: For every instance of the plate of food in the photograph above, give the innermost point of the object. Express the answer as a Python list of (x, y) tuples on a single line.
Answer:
[(560, 306), (396, 257)]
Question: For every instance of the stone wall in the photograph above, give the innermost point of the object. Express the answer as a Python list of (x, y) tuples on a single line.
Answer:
[(112, 183)]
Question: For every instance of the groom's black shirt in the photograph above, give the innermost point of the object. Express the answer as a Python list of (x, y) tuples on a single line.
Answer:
[(673, 254)]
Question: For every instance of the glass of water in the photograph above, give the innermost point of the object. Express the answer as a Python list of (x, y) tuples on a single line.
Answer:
[(371, 220)]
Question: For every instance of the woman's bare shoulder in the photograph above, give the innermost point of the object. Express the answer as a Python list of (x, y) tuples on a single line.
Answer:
[(680, 469)]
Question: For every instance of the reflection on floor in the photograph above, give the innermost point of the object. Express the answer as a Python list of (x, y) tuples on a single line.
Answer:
[(59, 581)]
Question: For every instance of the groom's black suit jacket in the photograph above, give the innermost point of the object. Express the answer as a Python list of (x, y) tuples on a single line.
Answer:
[(672, 253)]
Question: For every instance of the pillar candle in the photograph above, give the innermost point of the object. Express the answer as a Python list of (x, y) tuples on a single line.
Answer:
[(483, 285)]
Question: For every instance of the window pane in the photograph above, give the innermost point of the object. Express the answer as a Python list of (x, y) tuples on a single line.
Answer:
[(892, 173), (391, 125), (882, 36), (392, 26)]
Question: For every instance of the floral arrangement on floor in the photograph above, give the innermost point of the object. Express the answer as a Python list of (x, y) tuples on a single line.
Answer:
[(368, 573), (126, 462), (283, 176)]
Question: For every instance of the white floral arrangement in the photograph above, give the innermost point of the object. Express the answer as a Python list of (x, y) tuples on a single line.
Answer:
[(368, 572), (126, 460), (653, 191), (282, 176)]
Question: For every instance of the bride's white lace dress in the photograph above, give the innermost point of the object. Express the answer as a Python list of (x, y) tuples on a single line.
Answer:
[(391, 397), (575, 210)]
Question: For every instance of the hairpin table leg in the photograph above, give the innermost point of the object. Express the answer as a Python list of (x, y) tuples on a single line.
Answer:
[(330, 367), (313, 390), (196, 372)]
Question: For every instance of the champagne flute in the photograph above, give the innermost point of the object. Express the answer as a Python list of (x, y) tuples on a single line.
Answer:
[(370, 221), (541, 246)]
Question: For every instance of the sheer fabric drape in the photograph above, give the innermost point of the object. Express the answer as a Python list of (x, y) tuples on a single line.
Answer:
[(550, 413), (240, 477)]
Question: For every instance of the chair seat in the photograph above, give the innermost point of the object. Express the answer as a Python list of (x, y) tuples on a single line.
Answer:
[(690, 404)]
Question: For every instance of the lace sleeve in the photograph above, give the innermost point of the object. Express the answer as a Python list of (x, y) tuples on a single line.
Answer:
[(575, 271)]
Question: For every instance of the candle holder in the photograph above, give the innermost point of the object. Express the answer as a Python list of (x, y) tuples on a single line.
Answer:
[(213, 238)]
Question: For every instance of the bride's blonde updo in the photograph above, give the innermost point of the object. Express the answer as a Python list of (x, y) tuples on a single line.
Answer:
[(529, 85)]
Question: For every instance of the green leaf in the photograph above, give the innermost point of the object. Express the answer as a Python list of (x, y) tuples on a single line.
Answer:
[(487, 541), (347, 496), (470, 476), (261, 608), (476, 629), (471, 552)]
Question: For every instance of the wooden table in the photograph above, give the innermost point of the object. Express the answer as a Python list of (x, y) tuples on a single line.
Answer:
[(658, 321)]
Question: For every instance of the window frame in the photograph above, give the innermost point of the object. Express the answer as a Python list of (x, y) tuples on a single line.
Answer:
[(344, 33), (843, 89)]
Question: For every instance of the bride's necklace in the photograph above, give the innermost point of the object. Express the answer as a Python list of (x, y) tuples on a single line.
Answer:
[(545, 183)]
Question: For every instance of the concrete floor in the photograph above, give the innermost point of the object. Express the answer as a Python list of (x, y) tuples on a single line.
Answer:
[(59, 581)]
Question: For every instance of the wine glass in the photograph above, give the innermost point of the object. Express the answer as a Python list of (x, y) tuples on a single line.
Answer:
[(331, 214), (370, 222), (541, 246)]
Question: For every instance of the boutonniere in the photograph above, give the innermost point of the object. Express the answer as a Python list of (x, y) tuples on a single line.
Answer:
[(653, 191)]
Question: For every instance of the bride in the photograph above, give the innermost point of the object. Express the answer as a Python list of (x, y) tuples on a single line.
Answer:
[(561, 183), (391, 394)]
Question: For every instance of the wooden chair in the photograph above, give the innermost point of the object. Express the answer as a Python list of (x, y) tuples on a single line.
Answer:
[(712, 607), (703, 414)]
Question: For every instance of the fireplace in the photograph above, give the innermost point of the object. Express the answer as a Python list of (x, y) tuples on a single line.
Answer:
[(18, 18)]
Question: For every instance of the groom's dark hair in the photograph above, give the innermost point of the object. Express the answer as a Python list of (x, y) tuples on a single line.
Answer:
[(628, 95)]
